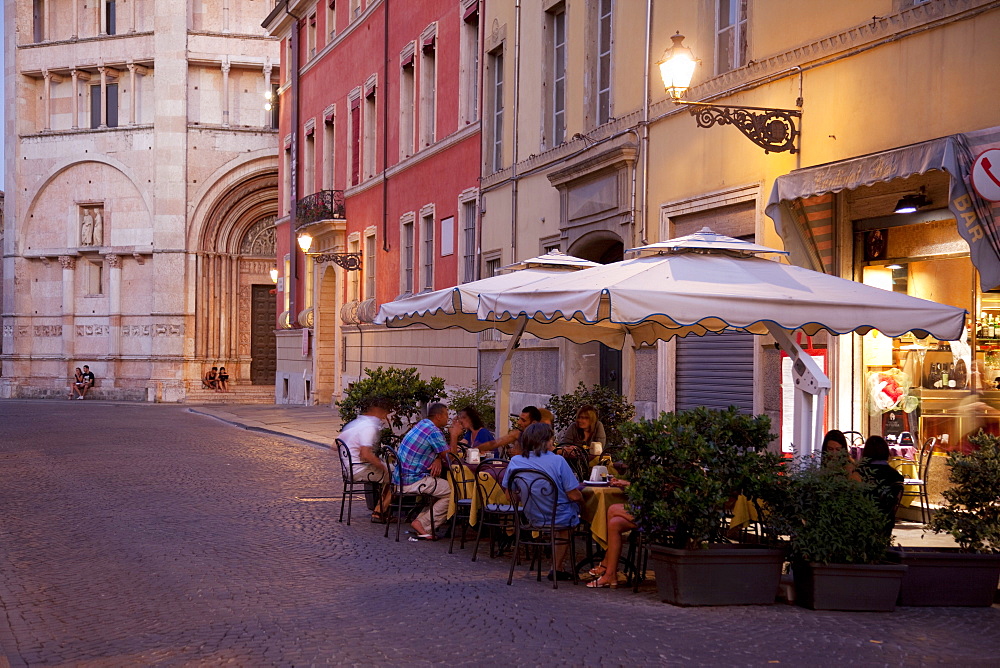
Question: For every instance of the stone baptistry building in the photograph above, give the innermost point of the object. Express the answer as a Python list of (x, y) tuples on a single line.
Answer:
[(141, 183)]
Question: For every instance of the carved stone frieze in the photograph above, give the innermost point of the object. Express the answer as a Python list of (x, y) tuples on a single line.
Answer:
[(136, 330), (48, 330), (114, 261), (67, 261), (259, 239), (92, 330), (258, 267), (8, 331), (163, 329)]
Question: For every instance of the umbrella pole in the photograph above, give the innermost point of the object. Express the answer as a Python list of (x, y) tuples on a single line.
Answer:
[(811, 388), (501, 381)]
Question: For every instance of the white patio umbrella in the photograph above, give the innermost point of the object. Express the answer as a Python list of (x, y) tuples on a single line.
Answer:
[(457, 307), (708, 282)]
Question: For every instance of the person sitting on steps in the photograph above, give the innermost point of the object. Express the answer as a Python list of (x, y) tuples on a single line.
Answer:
[(211, 379), (76, 384), (223, 383), (88, 381)]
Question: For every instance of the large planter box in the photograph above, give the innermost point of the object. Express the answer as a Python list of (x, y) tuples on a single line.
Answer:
[(719, 575), (946, 576), (871, 588)]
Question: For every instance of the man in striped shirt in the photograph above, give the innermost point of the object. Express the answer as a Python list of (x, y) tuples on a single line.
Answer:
[(421, 458)]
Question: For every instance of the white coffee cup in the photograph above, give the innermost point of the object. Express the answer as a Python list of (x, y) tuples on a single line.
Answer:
[(596, 449), (472, 455)]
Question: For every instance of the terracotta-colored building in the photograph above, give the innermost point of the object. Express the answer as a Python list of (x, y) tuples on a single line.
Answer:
[(379, 163)]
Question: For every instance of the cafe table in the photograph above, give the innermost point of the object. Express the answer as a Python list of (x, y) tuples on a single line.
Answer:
[(596, 501), (464, 472), (908, 469)]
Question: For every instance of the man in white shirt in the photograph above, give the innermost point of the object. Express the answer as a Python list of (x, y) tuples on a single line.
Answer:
[(361, 435)]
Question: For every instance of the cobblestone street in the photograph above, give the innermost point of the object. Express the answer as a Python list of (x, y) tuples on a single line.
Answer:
[(149, 535)]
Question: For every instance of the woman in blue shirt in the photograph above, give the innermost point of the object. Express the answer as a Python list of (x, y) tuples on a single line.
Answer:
[(537, 443), (469, 427)]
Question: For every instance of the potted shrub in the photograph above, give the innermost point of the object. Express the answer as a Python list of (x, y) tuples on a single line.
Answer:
[(837, 540), (966, 575), (684, 469), (407, 392)]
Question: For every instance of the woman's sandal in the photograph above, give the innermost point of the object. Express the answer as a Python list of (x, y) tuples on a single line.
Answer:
[(597, 584), (598, 570)]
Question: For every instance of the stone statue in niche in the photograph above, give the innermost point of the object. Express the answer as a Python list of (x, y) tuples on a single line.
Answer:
[(87, 229), (98, 237)]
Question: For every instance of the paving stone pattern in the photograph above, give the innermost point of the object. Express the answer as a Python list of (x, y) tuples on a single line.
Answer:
[(148, 535)]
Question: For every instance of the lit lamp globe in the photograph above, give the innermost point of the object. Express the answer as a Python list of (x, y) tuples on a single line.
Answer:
[(274, 275), (305, 242), (677, 68)]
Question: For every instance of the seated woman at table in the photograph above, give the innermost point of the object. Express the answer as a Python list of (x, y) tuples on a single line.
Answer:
[(888, 482), (586, 428), (619, 521), (836, 454), (469, 428), (537, 443)]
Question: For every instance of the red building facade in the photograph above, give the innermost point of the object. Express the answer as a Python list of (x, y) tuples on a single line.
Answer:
[(379, 113)]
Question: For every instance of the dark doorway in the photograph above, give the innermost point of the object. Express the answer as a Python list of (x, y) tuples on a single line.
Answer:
[(262, 344), (604, 248)]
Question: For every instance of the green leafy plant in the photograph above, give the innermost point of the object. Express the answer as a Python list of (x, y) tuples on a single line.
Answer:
[(612, 409), (972, 512), (684, 468), (480, 397), (828, 517), (404, 389)]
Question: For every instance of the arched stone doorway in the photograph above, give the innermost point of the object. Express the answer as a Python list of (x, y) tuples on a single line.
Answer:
[(235, 300), (603, 247)]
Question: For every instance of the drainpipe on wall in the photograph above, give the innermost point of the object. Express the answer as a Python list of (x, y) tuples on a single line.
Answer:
[(293, 189), (517, 92), (477, 271), (385, 130), (644, 144)]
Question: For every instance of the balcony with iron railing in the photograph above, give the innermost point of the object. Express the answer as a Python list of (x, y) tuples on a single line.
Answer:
[(320, 206)]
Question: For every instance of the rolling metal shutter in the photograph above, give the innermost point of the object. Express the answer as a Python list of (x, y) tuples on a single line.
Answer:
[(715, 371)]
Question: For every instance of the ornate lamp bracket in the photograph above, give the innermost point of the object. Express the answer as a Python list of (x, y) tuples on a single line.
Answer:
[(771, 129), (347, 261)]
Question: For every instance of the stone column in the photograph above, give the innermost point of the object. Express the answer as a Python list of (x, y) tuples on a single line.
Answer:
[(77, 75), (225, 92), (114, 310), (267, 89), (131, 86), (68, 264), (48, 100), (104, 96)]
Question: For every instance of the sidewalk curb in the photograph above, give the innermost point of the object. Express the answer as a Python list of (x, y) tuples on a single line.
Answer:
[(259, 427)]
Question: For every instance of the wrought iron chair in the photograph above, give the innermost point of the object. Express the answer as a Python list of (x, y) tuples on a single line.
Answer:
[(536, 497), (499, 517), (924, 456), (370, 483), (407, 504), (577, 458), (463, 486)]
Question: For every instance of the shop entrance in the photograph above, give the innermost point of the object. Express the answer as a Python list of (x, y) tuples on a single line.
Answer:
[(262, 344)]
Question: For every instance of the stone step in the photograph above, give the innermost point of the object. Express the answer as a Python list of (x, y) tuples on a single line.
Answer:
[(241, 394)]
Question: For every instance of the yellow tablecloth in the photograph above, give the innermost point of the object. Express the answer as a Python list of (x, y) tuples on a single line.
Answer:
[(463, 473), (744, 512), (596, 501)]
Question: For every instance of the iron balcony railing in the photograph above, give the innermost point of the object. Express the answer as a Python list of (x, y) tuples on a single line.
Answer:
[(323, 205)]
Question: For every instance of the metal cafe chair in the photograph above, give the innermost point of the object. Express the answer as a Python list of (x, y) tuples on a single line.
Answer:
[(536, 497), (463, 486), (497, 517), (407, 504), (351, 484), (920, 482)]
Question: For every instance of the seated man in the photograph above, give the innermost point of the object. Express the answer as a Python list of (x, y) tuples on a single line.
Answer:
[(88, 381), (211, 379), (421, 459), (509, 444), (361, 435)]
